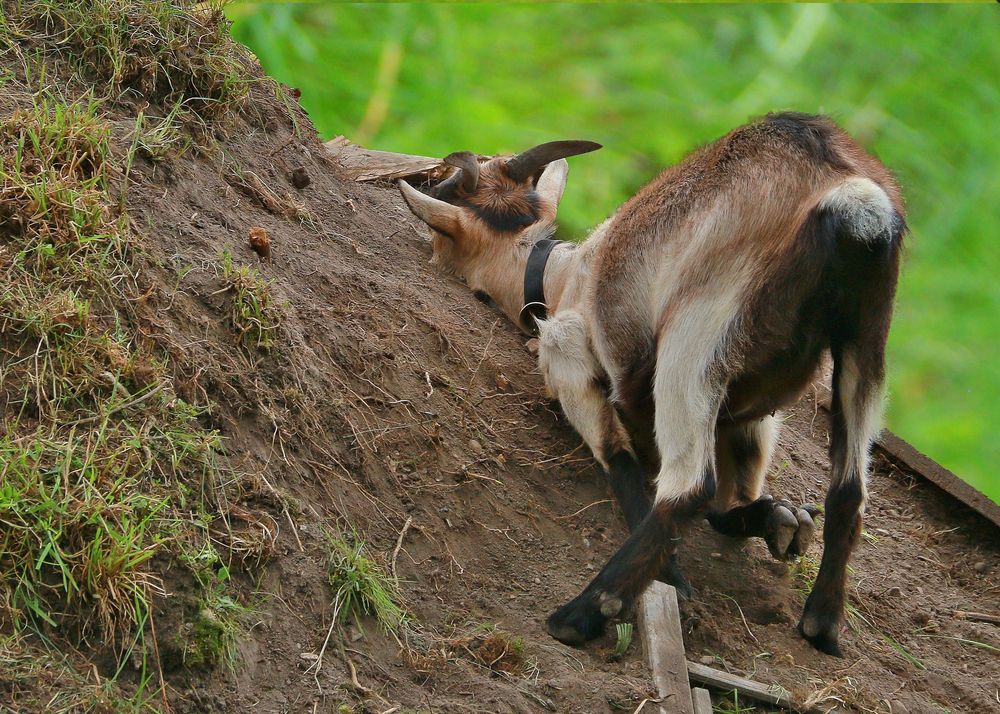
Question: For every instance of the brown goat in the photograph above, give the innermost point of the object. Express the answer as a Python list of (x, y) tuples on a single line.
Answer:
[(685, 321)]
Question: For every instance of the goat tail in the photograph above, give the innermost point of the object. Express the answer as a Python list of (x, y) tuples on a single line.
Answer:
[(860, 209)]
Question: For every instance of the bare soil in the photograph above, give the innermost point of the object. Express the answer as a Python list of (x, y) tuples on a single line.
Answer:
[(393, 397)]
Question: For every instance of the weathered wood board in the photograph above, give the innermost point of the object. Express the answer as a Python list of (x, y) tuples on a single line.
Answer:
[(905, 454), (702, 701), (367, 165), (663, 644)]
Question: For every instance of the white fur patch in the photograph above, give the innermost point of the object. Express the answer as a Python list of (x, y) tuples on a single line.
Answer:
[(687, 400), (570, 372), (865, 207), (862, 408)]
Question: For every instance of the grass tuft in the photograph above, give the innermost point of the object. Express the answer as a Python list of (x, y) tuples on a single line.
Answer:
[(361, 585), (159, 51), (253, 313), (731, 705), (624, 632)]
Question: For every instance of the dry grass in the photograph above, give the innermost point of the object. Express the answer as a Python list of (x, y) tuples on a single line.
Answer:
[(156, 51), (103, 466)]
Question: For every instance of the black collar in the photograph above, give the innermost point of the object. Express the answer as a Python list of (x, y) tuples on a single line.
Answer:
[(535, 308)]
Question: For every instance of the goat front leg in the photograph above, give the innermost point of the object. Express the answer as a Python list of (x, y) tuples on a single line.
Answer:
[(855, 413), (572, 375), (684, 487)]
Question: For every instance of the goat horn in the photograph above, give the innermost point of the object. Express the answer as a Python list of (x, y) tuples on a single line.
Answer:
[(467, 164), (522, 166)]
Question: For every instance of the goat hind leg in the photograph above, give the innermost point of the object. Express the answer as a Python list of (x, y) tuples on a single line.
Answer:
[(857, 396), (742, 454)]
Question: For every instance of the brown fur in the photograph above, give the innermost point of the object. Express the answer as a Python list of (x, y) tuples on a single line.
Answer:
[(722, 282)]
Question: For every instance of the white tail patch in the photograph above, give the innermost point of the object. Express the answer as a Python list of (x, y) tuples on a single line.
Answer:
[(864, 206)]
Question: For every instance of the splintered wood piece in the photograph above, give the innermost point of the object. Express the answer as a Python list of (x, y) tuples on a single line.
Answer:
[(773, 694), (702, 701), (663, 644), (978, 617), (366, 165)]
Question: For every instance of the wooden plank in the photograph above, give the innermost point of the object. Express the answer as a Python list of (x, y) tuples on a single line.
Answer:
[(366, 165), (663, 644), (905, 454), (717, 679), (773, 694), (702, 701)]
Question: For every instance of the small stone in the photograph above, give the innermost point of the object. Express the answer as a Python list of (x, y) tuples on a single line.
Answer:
[(300, 177), (309, 656), (716, 555), (980, 567), (538, 581), (590, 566), (707, 659), (532, 345), (894, 592), (475, 446)]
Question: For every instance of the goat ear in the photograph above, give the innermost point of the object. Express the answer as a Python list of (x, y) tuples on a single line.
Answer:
[(552, 182), (442, 217)]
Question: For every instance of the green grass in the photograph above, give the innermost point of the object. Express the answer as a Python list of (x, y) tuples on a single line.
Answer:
[(804, 572), (730, 704), (623, 630), (361, 586), (104, 467), (159, 51), (652, 82), (253, 313)]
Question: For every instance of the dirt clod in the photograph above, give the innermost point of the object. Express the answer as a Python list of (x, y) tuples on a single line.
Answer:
[(260, 242), (299, 177)]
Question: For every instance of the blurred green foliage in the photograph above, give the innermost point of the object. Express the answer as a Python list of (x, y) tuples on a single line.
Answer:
[(918, 85)]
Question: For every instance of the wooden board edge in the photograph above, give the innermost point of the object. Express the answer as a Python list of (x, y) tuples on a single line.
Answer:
[(905, 454), (663, 647), (702, 701)]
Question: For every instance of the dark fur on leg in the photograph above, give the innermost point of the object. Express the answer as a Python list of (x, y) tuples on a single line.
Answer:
[(629, 571), (628, 483), (823, 615)]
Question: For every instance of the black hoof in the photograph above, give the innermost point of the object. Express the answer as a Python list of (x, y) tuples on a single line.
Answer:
[(581, 620), (823, 641), (673, 575)]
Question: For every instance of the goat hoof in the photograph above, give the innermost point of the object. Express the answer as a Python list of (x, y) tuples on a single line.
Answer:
[(779, 530), (824, 638), (673, 575), (789, 529), (820, 624), (580, 620), (804, 534)]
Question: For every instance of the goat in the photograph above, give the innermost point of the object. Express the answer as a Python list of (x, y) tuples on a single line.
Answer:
[(685, 321)]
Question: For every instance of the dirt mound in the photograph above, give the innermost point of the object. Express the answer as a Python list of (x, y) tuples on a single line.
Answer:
[(377, 423)]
